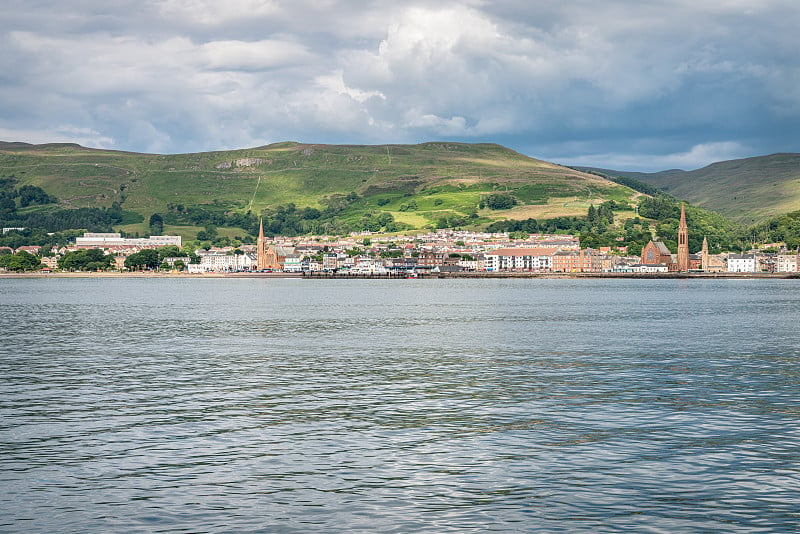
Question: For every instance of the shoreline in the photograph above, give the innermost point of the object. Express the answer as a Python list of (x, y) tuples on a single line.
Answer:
[(421, 276)]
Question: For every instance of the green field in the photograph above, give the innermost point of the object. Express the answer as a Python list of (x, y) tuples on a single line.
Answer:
[(416, 184)]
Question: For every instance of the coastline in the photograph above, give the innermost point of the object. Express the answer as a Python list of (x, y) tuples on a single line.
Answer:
[(422, 276)]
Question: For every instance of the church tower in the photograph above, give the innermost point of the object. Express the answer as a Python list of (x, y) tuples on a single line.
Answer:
[(683, 242), (261, 247), (704, 254)]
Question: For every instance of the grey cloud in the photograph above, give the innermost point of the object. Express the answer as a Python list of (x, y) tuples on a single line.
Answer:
[(643, 83)]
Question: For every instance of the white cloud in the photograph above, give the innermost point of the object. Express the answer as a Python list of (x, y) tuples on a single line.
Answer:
[(259, 55), (576, 77), (335, 82)]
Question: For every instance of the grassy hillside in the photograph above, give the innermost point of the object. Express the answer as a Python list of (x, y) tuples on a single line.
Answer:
[(417, 184), (746, 190)]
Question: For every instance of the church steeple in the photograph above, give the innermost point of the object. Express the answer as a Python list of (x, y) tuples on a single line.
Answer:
[(261, 247), (683, 242), (704, 253)]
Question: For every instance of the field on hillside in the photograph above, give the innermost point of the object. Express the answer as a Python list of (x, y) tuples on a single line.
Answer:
[(745, 190), (417, 184)]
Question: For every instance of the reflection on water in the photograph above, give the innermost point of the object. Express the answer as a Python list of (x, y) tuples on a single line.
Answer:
[(399, 406)]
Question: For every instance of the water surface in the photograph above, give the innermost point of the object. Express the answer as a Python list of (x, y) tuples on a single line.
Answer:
[(399, 405)]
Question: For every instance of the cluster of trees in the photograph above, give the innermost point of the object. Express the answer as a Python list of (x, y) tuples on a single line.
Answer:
[(92, 219), (97, 260), (12, 198), (289, 220), (454, 221), (376, 222), (598, 229), (38, 237), (498, 201), (155, 258), (604, 215), (21, 261), (211, 216), (785, 228), (92, 259)]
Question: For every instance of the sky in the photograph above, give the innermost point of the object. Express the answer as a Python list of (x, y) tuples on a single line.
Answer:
[(641, 85)]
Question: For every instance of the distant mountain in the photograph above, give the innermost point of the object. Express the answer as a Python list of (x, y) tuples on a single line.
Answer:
[(746, 190), (419, 185)]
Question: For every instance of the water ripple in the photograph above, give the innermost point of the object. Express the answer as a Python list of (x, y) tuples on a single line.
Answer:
[(422, 406)]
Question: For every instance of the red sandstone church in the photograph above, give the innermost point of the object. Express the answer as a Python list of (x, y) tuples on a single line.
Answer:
[(656, 252), (268, 258)]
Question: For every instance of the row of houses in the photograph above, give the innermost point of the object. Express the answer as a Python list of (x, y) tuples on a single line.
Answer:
[(518, 259), (441, 251)]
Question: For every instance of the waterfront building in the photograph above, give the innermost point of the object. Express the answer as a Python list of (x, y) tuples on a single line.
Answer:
[(293, 263), (330, 262), (520, 259), (656, 252), (274, 257), (105, 240), (369, 265), (431, 259), (572, 261), (742, 263), (717, 263), (787, 263), (219, 261), (623, 267), (171, 260), (649, 269), (50, 262), (468, 264)]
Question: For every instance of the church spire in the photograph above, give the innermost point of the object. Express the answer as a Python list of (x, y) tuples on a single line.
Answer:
[(683, 242), (261, 247), (704, 252)]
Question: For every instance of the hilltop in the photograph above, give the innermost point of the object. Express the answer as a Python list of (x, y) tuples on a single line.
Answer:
[(745, 190), (418, 185)]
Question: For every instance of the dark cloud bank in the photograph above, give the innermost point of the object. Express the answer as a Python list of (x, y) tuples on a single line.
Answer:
[(633, 85)]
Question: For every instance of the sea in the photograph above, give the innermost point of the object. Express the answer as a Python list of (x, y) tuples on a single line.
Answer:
[(310, 406)]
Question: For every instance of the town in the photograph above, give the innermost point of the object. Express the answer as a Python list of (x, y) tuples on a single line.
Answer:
[(443, 251)]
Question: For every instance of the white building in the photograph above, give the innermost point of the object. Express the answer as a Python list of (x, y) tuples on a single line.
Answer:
[(520, 259), (293, 263), (650, 268), (367, 265), (742, 263), (468, 265), (214, 261), (107, 240)]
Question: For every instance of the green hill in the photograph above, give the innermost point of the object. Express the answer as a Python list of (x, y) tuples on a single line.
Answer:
[(745, 190), (418, 185)]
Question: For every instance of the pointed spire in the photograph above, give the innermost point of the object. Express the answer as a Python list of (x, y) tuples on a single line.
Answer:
[(261, 246), (683, 242)]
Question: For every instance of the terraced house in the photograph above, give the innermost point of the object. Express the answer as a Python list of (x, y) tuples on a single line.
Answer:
[(520, 259)]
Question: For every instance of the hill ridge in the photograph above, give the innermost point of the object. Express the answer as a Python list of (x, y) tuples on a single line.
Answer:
[(415, 185), (746, 190)]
